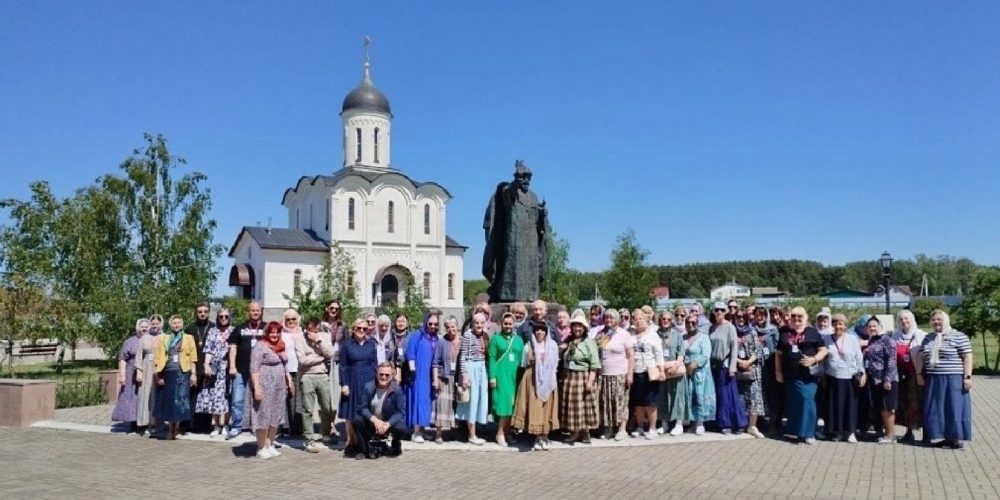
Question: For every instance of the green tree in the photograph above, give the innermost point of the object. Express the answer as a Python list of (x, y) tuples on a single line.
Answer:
[(412, 304), (472, 288), (335, 281), (979, 313), (557, 284), (627, 283)]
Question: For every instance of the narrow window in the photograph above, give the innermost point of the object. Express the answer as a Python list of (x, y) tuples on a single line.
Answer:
[(328, 214), (298, 224), (427, 219), (297, 283), (451, 286), (376, 144), (391, 222), (427, 285), (350, 214), (358, 159), (344, 147), (350, 283)]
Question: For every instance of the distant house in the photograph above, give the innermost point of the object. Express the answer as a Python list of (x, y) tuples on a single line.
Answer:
[(767, 292), (731, 290)]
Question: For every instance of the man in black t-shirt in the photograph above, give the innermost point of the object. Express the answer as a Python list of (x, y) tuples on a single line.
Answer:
[(241, 342), (200, 422)]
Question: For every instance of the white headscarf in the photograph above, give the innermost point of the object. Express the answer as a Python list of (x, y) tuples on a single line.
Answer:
[(939, 336)]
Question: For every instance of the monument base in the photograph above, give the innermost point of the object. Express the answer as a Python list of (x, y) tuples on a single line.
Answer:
[(499, 308)]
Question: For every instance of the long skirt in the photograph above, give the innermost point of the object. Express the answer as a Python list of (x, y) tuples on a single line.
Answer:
[(174, 397), (643, 391), (578, 406), (128, 398), (730, 413), (841, 406), (476, 409), (213, 398), (909, 412), (443, 410), (947, 408), (146, 396), (752, 396), (612, 400), (800, 407), (672, 402), (532, 415)]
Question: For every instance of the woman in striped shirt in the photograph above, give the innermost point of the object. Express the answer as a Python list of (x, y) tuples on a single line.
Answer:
[(472, 367), (945, 371)]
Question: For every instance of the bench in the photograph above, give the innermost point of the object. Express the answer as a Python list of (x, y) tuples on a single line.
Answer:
[(37, 350)]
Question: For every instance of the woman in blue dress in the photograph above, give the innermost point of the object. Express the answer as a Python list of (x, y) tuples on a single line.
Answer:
[(420, 359), (358, 359), (700, 387)]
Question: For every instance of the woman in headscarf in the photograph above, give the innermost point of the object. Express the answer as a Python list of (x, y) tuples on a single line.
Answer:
[(536, 409), (176, 357), (212, 398), (908, 340), (672, 403), (472, 373), (767, 338), (645, 387), (445, 365), (800, 350), (578, 399), (945, 371), (700, 386), (290, 331), (420, 358), (357, 368), (617, 362), (128, 387), (270, 382), (844, 379), (883, 391), (503, 361), (145, 371), (749, 358), (383, 338)]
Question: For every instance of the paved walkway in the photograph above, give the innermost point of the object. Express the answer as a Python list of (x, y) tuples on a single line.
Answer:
[(48, 463)]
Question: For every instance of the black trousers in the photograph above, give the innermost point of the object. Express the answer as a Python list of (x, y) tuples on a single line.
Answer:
[(364, 432)]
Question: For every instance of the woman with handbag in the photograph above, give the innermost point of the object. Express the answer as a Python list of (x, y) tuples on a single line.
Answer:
[(536, 408), (730, 414), (646, 376), (672, 401), (844, 380), (749, 357), (800, 348), (473, 402)]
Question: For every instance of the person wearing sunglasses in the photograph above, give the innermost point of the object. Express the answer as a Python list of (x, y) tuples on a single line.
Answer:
[(700, 386), (800, 350), (420, 359), (212, 398), (380, 414), (358, 360), (730, 414), (672, 402), (333, 325)]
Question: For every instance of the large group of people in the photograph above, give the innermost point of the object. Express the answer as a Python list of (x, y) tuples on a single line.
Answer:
[(612, 374)]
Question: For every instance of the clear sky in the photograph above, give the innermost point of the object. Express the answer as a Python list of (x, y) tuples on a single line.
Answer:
[(717, 130)]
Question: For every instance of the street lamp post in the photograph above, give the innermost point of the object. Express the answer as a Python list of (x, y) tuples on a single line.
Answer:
[(886, 262)]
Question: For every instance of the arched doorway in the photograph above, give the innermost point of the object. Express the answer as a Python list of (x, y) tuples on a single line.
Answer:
[(390, 290)]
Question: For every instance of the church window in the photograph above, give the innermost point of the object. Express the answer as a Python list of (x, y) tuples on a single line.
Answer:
[(451, 286), (427, 285), (350, 283), (350, 214), (376, 144), (327, 214), (427, 219), (297, 283), (358, 158), (297, 217), (391, 214)]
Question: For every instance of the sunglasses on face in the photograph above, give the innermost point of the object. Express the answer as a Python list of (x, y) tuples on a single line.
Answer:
[(223, 316), (384, 375), (430, 325), (361, 328), (291, 319), (202, 311), (796, 316), (331, 308)]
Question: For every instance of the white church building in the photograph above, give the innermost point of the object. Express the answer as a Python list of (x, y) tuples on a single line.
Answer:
[(387, 222)]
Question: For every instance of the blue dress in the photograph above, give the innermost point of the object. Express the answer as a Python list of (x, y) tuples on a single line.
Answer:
[(357, 367), (419, 396), (700, 387)]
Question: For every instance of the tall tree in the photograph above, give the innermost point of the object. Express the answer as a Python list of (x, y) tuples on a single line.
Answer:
[(557, 284), (627, 283), (979, 313)]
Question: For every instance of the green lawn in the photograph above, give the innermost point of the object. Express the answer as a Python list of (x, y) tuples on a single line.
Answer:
[(979, 357)]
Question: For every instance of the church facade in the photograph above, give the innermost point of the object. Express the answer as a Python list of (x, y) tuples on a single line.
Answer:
[(391, 226)]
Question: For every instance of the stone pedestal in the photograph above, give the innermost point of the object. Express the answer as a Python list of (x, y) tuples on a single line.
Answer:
[(109, 385), (499, 308), (24, 402)]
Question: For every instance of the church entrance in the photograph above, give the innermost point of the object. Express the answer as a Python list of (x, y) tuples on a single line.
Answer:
[(390, 290)]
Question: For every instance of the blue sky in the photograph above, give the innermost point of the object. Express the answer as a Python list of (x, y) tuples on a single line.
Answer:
[(718, 131)]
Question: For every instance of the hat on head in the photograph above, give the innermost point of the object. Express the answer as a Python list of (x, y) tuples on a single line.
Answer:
[(581, 319), (719, 305)]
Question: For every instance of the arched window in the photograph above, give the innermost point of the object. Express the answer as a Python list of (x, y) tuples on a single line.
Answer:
[(451, 286), (358, 131), (376, 144), (344, 147), (391, 218), (427, 285), (298, 214), (350, 214), (328, 214), (427, 219), (350, 283), (297, 283)]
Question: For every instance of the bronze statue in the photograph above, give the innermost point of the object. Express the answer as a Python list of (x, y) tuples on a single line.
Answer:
[(516, 225)]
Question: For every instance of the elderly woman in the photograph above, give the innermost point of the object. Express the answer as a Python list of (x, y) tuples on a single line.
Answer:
[(400, 339), (749, 359), (767, 338), (536, 408), (578, 397), (730, 414), (617, 365), (880, 366), (291, 330), (562, 329), (145, 369), (520, 312), (503, 360), (625, 319), (176, 357), (420, 359), (647, 374), (445, 365), (358, 360), (945, 372), (212, 399), (908, 339), (844, 380), (383, 338), (800, 350), (474, 407), (700, 386), (672, 402), (128, 387), (269, 384)]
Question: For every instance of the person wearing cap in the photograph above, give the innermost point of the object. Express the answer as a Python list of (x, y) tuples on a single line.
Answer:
[(536, 407), (578, 393), (844, 380), (730, 414), (800, 349)]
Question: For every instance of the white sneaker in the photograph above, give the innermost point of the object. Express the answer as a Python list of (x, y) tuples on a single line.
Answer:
[(215, 432), (636, 433), (419, 438), (620, 436), (661, 430), (651, 436), (810, 441), (700, 430), (265, 454), (545, 444), (478, 441), (538, 445), (852, 438), (820, 423), (274, 451), (754, 432), (677, 430)]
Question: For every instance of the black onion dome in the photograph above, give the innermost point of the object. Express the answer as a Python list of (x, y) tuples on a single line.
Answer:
[(366, 97)]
